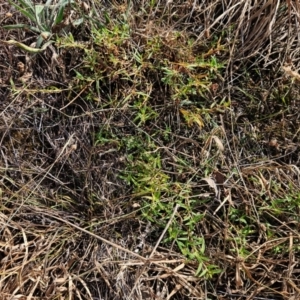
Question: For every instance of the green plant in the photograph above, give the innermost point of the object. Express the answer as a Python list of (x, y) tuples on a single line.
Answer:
[(157, 193), (46, 18), (190, 244)]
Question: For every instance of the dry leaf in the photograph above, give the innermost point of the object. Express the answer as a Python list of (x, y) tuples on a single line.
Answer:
[(218, 142), (288, 71), (212, 184), (85, 7), (178, 268), (21, 67), (25, 77), (192, 117)]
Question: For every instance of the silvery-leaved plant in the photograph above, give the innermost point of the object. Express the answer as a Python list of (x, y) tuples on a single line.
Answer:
[(44, 18)]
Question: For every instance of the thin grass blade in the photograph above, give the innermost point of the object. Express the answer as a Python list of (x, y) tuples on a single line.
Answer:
[(26, 10), (60, 15), (22, 26), (61, 7)]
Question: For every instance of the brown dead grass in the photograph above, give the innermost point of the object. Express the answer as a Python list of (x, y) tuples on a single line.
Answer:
[(71, 226)]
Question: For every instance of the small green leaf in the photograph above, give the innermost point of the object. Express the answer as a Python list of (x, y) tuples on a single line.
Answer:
[(199, 269), (39, 9), (60, 15)]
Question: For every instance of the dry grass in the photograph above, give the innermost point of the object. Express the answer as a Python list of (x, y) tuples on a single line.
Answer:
[(152, 152)]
